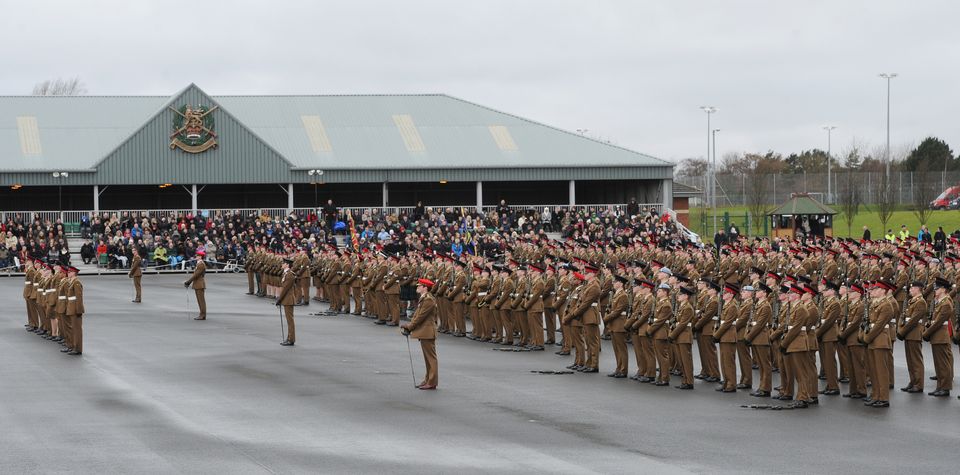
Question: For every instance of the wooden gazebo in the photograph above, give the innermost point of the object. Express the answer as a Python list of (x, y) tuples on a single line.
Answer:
[(802, 216)]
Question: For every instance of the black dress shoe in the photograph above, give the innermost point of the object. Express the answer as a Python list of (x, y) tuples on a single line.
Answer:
[(592, 370), (199, 318), (784, 397), (391, 324), (813, 401), (939, 393), (620, 375), (844, 380), (698, 376), (915, 390), (74, 353), (65, 350), (713, 380), (573, 366), (743, 386), (867, 401), (612, 375), (799, 405), (933, 378), (645, 379), (759, 393), (830, 392), (661, 383), (880, 404), (286, 343), (684, 386), (537, 348), (562, 353), (379, 322), (722, 390)]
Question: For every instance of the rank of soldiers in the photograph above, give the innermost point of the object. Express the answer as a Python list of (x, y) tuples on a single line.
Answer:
[(54, 301), (832, 311)]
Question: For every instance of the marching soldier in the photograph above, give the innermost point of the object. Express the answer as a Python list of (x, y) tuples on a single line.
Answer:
[(423, 326), (199, 284), (136, 273), (877, 338)]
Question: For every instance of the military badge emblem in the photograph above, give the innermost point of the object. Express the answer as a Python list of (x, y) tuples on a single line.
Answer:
[(193, 129)]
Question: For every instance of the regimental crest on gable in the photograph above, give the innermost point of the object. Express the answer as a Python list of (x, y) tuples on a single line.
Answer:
[(193, 129)]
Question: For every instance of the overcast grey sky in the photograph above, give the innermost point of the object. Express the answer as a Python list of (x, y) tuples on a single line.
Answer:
[(633, 72)]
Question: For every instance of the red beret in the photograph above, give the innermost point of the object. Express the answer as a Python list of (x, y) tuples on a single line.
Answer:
[(425, 282)]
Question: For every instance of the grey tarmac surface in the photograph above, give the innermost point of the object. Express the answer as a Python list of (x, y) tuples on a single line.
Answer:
[(157, 392)]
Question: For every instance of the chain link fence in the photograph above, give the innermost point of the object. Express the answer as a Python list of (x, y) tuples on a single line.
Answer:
[(736, 189)]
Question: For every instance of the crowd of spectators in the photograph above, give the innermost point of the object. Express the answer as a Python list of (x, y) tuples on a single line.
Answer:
[(171, 241)]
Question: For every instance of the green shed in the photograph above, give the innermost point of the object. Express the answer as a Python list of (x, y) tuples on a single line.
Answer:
[(802, 215)]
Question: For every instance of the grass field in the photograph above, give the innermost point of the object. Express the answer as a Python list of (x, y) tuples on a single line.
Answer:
[(949, 219)]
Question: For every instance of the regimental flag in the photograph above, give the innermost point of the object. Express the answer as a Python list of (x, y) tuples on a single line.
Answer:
[(354, 240)]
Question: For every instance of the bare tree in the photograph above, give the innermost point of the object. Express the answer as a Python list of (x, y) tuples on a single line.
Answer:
[(886, 200), (849, 199), (60, 87), (758, 171), (925, 189)]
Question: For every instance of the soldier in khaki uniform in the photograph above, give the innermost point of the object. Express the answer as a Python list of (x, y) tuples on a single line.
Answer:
[(136, 273), (660, 333), (794, 345), (726, 335), (682, 337), (877, 338), (423, 326), (758, 339), (910, 330), (199, 284), (938, 334), (705, 321), (74, 312), (849, 329), (287, 298), (533, 306), (827, 336), (615, 319)]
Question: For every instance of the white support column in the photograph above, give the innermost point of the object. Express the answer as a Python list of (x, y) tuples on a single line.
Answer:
[(96, 200), (386, 195), (289, 198), (480, 197), (193, 199), (573, 193), (666, 194)]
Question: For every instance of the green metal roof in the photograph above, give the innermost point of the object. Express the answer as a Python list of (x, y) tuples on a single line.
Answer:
[(800, 204), (124, 139)]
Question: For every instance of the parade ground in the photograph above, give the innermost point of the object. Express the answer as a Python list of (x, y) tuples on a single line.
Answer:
[(157, 392)]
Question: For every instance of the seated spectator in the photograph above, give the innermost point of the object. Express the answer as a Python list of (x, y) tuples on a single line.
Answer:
[(87, 253)]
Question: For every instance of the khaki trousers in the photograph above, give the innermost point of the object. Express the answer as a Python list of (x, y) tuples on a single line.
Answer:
[(291, 326), (136, 286), (576, 333), (708, 356), (201, 302), (591, 336), (620, 352), (913, 350), (550, 320), (857, 373), (746, 363), (762, 354), (429, 349), (728, 365), (535, 323), (828, 362), (664, 352), (686, 362), (943, 364), (881, 373)]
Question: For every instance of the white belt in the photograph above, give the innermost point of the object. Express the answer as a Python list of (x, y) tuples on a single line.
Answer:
[(753, 324), (793, 326), (715, 318), (594, 304), (623, 313), (36, 284), (71, 298), (481, 294), (61, 298), (689, 324)]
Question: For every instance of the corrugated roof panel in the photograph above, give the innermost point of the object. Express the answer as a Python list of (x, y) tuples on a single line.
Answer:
[(316, 133), (408, 131), (501, 135), (29, 136)]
